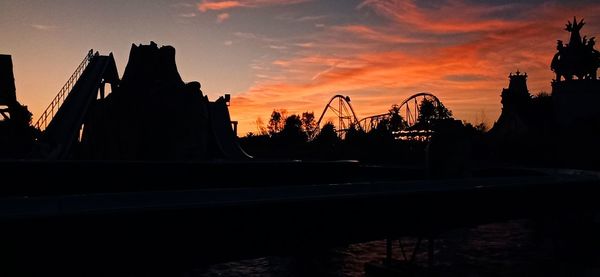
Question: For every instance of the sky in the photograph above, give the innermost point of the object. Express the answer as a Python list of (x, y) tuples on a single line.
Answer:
[(296, 54)]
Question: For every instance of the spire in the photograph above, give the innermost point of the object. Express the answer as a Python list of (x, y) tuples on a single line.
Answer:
[(574, 28)]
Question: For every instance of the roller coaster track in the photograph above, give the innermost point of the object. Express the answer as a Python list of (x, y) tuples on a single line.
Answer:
[(345, 115), (343, 111), (409, 110)]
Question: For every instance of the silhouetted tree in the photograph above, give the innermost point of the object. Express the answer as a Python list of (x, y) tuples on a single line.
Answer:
[(480, 122), (355, 144), (276, 122), (354, 133), (426, 112), (326, 142), (383, 126), (260, 127), (478, 128), (292, 131), (17, 136), (542, 94), (21, 115), (396, 121), (481, 127), (309, 124), (429, 112), (442, 112), (328, 135)]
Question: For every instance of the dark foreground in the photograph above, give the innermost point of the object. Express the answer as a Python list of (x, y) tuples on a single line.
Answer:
[(152, 218), (512, 248)]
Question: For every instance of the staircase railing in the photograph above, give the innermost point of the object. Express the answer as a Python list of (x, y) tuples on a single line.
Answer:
[(51, 110)]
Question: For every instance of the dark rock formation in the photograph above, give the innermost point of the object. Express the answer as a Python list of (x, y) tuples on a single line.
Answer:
[(152, 115)]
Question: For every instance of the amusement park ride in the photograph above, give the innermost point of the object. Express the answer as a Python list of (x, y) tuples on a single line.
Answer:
[(345, 117)]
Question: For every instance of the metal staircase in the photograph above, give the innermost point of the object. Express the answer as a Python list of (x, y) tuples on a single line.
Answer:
[(51, 110), (62, 121)]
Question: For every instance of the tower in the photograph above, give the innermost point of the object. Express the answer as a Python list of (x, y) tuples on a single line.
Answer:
[(516, 101), (516, 97)]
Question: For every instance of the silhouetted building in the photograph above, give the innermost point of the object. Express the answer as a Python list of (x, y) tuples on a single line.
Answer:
[(575, 92), (16, 135), (563, 127), (515, 119)]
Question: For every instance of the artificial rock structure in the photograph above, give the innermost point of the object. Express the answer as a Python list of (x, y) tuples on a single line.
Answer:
[(152, 115)]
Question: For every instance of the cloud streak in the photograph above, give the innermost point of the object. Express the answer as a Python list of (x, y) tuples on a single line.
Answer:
[(216, 5), (464, 59), (42, 27), (187, 15), (222, 17)]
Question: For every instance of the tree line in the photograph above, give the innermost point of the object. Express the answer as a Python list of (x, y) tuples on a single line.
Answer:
[(297, 136)]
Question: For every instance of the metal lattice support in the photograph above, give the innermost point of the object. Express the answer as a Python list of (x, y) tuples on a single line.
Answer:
[(409, 109), (51, 110), (340, 106), (370, 122)]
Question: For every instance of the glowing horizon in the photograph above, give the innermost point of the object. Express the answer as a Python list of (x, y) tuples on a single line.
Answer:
[(297, 54)]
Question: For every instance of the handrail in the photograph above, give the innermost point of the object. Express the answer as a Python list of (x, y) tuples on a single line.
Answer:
[(51, 110)]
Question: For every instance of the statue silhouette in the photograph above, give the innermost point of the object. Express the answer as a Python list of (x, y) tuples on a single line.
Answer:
[(578, 58), (555, 64), (574, 28), (593, 60)]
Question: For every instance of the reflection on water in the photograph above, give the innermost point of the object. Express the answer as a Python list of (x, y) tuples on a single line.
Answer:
[(347, 261), (505, 249)]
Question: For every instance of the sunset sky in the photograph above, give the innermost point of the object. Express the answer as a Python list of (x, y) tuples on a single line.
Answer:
[(296, 54)]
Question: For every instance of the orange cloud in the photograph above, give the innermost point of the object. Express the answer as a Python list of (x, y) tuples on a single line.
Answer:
[(216, 5), (452, 16), (42, 27), (222, 17), (371, 34), (464, 61)]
